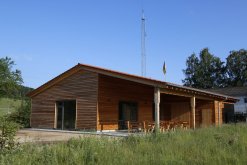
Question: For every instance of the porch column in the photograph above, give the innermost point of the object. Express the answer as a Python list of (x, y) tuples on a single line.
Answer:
[(193, 111), (157, 109), (218, 113)]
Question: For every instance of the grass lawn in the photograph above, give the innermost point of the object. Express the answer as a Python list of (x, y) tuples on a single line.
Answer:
[(8, 105), (215, 145)]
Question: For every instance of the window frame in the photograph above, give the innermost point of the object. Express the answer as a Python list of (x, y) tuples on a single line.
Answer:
[(128, 103)]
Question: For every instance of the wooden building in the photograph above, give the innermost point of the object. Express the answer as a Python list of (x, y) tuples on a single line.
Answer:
[(91, 98), (234, 112)]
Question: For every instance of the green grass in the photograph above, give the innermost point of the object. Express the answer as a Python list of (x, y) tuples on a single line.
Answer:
[(8, 105), (224, 145)]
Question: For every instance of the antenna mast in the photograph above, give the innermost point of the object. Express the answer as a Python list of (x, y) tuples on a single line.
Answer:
[(143, 48)]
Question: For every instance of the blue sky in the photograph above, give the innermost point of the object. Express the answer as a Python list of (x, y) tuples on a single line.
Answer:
[(47, 37)]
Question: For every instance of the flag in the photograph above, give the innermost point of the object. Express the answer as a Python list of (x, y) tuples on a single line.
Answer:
[(164, 68)]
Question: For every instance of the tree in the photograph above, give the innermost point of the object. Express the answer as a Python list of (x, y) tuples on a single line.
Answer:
[(22, 114), (237, 68), (10, 79), (204, 72), (192, 64)]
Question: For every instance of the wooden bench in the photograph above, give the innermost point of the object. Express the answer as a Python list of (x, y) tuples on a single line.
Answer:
[(135, 126)]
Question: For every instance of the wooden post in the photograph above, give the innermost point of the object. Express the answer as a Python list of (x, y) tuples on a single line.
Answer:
[(128, 125), (144, 126), (101, 127), (219, 113), (157, 109), (193, 111)]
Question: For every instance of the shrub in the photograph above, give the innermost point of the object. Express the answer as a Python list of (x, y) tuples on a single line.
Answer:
[(8, 131), (22, 114)]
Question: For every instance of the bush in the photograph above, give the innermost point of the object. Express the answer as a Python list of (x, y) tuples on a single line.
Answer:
[(8, 131), (22, 114)]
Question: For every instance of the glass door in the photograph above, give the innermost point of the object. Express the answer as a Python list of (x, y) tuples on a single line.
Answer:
[(66, 114), (60, 113), (127, 112)]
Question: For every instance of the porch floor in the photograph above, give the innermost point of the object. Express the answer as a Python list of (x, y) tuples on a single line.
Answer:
[(31, 135)]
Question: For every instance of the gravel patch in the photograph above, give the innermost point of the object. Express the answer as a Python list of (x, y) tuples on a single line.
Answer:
[(46, 135)]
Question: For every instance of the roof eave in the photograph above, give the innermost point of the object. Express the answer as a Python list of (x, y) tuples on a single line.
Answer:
[(138, 79)]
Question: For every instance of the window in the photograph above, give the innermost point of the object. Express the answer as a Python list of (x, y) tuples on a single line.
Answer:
[(245, 100), (127, 112)]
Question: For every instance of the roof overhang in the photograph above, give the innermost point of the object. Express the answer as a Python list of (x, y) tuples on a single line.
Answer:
[(143, 80)]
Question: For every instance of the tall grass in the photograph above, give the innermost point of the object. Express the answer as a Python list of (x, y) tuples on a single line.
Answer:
[(214, 145)]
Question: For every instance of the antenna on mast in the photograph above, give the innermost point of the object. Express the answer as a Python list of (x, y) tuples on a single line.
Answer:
[(143, 48)]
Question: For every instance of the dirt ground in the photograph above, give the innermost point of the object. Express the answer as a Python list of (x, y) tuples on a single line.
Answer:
[(46, 136)]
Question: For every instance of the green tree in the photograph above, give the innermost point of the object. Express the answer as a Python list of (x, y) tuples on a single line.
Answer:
[(237, 68), (192, 64), (207, 71), (10, 79), (22, 114)]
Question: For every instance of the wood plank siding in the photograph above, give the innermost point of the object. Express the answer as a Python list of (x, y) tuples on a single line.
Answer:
[(181, 112), (177, 108), (218, 113), (203, 106), (98, 93), (82, 86), (114, 90)]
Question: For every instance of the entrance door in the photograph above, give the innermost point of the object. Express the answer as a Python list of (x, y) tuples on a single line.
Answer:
[(66, 114), (206, 117), (127, 112)]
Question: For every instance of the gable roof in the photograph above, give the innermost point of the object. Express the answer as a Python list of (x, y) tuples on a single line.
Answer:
[(130, 77)]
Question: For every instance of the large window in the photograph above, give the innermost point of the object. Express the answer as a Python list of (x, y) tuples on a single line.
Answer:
[(128, 111)]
